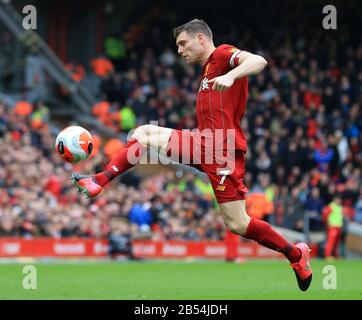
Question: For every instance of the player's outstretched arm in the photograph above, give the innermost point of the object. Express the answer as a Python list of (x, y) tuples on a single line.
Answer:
[(249, 64)]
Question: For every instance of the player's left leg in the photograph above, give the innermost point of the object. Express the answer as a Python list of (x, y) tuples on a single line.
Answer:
[(237, 220), (230, 194)]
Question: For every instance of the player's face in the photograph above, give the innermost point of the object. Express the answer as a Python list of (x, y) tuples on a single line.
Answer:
[(189, 47)]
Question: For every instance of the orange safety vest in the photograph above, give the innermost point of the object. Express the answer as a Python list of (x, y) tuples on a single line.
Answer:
[(258, 205), (102, 66)]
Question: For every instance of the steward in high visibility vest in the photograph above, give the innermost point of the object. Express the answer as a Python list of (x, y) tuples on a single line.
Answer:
[(333, 218)]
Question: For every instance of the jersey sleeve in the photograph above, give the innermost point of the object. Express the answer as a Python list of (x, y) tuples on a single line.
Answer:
[(228, 56)]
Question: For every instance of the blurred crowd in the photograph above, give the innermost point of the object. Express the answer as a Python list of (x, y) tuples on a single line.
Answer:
[(37, 199), (303, 125)]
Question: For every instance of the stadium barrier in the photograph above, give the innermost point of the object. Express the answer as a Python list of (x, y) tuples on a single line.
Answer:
[(75, 247)]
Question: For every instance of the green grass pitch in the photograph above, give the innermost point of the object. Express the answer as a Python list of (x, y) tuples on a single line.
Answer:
[(178, 280)]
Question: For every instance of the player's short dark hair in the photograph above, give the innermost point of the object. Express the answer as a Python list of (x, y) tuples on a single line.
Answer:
[(193, 27)]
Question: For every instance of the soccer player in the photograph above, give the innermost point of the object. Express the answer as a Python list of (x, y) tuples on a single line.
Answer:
[(220, 106)]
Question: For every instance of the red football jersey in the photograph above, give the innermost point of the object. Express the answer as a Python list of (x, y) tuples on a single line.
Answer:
[(222, 109)]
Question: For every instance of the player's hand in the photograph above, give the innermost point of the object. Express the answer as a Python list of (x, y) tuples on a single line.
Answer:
[(222, 83)]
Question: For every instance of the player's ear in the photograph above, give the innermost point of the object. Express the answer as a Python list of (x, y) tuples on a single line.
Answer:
[(200, 37)]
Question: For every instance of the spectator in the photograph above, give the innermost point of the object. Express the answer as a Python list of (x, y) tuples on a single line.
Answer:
[(102, 66), (358, 208), (257, 203), (323, 156), (115, 49), (119, 239), (293, 217), (313, 206), (141, 216)]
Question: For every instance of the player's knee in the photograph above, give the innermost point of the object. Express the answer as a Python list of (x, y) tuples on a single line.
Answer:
[(142, 134), (238, 227), (236, 220), (149, 129)]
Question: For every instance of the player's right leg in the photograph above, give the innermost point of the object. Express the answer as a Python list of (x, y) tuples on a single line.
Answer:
[(147, 136)]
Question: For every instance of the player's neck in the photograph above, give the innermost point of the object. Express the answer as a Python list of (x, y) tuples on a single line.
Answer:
[(208, 53)]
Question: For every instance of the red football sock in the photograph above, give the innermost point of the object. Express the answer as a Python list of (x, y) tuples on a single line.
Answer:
[(125, 159), (263, 233)]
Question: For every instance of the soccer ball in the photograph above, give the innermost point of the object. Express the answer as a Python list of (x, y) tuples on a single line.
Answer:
[(74, 144)]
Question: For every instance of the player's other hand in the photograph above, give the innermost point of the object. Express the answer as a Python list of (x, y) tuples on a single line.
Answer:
[(221, 83)]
